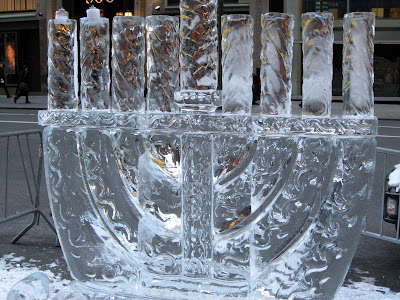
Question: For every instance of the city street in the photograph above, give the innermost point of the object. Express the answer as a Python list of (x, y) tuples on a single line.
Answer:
[(374, 258)]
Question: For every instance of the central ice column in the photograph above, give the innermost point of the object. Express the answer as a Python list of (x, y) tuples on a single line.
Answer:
[(198, 56), (317, 63)]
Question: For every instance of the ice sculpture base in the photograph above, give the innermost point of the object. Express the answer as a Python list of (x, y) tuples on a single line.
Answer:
[(198, 100), (194, 205)]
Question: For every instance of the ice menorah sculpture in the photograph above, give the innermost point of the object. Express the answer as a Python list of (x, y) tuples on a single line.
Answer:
[(167, 197)]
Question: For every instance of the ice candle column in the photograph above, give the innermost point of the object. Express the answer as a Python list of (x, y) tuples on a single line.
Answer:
[(162, 35), (317, 63), (95, 51), (198, 57), (199, 45), (128, 57), (237, 63), (358, 70), (62, 62), (276, 63)]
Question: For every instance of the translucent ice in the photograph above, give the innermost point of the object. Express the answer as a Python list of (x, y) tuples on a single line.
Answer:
[(94, 54), (162, 62), (62, 62), (276, 63), (317, 63), (358, 71), (34, 286), (128, 59), (237, 63)]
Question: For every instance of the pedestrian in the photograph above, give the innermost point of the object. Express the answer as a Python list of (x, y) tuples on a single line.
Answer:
[(23, 84), (3, 80)]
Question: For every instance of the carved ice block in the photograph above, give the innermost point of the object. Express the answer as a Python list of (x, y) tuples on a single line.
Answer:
[(188, 205), (162, 62), (128, 58), (62, 62), (358, 70), (193, 205), (276, 63), (317, 63), (237, 63), (95, 53), (199, 45)]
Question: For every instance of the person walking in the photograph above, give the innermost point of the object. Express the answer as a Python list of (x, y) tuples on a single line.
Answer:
[(3, 80), (23, 84)]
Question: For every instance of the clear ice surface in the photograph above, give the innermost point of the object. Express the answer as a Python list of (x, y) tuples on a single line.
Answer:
[(276, 63), (199, 204), (358, 70), (162, 62), (128, 59), (62, 64), (317, 63), (199, 45), (34, 286), (94, 54), (237, 63)]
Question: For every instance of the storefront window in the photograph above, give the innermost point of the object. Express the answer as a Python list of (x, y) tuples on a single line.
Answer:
[(388, 9), (8, 51), (337, 8), (17, 5), (386, 70)]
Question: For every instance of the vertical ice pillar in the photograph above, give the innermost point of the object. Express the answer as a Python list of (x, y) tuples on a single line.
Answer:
[(276, 63), (128, 56), (62, 62), (237, 63), (317, 63), (358, 70), (199, 45), (162, 35), (198, 57), (95, 52)]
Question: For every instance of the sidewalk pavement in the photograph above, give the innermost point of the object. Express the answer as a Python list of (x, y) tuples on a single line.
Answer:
[(383, 111)]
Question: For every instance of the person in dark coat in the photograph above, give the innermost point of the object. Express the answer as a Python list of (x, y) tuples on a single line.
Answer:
[(23, 84), (3, 80)]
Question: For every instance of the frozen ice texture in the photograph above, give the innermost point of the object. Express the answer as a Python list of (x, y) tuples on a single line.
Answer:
[(198, 101), (190, 204), (199, 45), (237, 63), (94, 55), (276, 63), (317, 63), (162, 62), (164, 202), (128, 58), (358, 70), (34, 286), (62, 64)]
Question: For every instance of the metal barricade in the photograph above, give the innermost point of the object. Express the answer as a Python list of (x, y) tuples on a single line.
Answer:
[(374, 227), (32, 178)]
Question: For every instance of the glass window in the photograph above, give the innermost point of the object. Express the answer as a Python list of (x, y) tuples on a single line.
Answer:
[(17, 5), (337, 8), (387, 70), (389, 9)]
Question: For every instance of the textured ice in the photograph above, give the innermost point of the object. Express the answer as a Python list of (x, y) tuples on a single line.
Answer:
[(62, 64), (199, 44), (162, 62), (276, 63), (34, 286), (128, 59), (317, 63), (358, 76), (201, 204), (237, 63), (94, 61)]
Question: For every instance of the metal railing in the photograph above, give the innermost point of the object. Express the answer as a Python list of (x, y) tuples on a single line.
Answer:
[(382, 232), (32, 179)]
